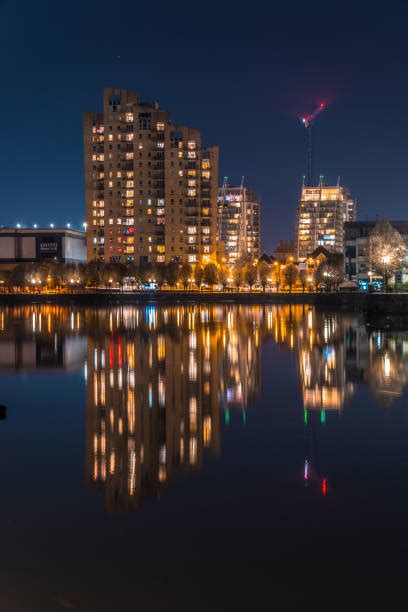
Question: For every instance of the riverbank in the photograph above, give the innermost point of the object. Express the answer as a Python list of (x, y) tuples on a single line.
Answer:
[(345, 301)]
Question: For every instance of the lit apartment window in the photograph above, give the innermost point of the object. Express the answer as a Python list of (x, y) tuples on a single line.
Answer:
[(160, 145), (205, 164), (160, 127), (129, 137), (206, 174), (191, 192), (129, 117), (191, 230), (192, 258), (129, 155), (191, 144), (191, 154)]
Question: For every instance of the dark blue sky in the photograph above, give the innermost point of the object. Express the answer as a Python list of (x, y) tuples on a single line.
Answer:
[(242, 74)]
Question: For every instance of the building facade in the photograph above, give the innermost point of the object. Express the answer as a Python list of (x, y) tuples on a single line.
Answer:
[(150, 185), (322, 212), (23, 245), (238, 223), (356, 253), (285, 249)]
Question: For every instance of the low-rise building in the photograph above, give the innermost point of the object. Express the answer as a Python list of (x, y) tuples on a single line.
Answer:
[(26, 245)]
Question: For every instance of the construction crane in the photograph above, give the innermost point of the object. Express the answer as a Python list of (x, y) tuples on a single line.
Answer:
[(308, 122)]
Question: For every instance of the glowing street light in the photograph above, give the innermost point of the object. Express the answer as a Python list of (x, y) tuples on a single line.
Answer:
[(51, 225)]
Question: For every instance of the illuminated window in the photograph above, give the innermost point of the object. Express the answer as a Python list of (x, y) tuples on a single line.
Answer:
[(191, 154), (191, 144), (160, 127)]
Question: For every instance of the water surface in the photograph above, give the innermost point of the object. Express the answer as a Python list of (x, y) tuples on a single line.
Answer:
[(202, 458)]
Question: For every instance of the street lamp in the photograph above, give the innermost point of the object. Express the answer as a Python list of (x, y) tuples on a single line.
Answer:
[(386, 261)]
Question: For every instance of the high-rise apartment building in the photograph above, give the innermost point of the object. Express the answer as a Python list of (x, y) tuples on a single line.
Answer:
[(150, 185), (238, 223), (322, 212)]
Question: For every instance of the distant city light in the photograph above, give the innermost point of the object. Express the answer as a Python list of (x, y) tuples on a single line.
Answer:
[(68, 225), (51, 225), (84, 225), (35, 225), (18, 225)]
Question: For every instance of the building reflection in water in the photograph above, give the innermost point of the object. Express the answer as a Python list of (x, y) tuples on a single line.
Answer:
[(41, 337), (159, 380)]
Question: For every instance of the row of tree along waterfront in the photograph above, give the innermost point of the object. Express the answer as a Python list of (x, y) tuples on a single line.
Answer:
[(386, 254), (262, 274)]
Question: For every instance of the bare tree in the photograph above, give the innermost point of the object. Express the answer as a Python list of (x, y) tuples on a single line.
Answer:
[(330, 274), (387, 250), (185, 274), (290, 274), (264, 273), (238, 277), (210, 274)]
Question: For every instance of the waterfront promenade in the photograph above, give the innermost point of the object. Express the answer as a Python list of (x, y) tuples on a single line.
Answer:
[(342, 301)]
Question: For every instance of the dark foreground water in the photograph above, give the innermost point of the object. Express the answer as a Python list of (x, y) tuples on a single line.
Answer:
[(202, 458)]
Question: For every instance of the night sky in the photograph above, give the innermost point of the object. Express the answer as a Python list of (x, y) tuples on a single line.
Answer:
[(243, 75)]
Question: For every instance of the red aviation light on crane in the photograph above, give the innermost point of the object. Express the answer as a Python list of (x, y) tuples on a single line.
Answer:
[(324, 486)]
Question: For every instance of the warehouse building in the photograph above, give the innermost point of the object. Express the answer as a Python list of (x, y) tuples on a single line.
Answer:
[(25, 245)]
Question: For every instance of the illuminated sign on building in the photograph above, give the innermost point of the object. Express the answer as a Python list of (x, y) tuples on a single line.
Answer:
[(49, 246)]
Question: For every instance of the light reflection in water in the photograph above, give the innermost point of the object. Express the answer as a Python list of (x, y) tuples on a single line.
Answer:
[(160, 380)]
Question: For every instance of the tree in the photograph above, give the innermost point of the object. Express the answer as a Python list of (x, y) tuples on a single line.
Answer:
[(185, 274), (290, 274), (18, 276), (93, 273), (264, 274), (330, 274), (251, 275), (198, 275), (210, 274), (387, 250), (238, 277), (303, 274), (133, 272), (277, 274), (172, 273), (160, 274), (223, 277)]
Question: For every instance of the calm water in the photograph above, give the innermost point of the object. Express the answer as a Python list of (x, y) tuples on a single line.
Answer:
[(202, 458)]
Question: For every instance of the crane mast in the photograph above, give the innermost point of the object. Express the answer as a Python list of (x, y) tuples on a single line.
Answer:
[(308, 123)]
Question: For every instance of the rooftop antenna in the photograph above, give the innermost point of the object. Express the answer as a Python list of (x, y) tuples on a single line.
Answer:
[(308, 123)]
